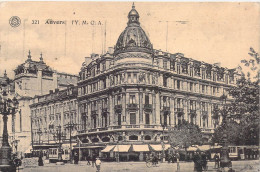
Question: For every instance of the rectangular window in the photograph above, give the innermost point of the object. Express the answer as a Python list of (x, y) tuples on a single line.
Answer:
[(147, 118), (132, 99), (203, 88), (165, 64), (132, 118), (146, 99), (178, 84), (165, 81), (191, 86)]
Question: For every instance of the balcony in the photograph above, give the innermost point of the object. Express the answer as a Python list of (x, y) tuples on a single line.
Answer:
[(93, 112), (93, 130), (204, 114), (207, 130), (178, 109), (166, 108), (118, 108), (132, 106), (148, 107), (104, 110), (192, 112), (132, 126)]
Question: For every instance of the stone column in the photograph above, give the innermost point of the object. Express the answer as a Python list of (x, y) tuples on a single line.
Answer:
[(138, 113), (198, 112), (126, 112), (153, 107), (157, 108), (141, 105), (111, 110), (172, 111), (124, 106), (209, 115)]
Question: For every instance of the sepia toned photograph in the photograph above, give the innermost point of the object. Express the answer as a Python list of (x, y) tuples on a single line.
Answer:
[(129, 86)]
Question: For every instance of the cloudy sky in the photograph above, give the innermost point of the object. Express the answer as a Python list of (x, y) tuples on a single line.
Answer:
[(210, 32)]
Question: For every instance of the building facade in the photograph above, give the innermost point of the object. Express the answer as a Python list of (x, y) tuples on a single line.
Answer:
[(48, 112), (129, 96), (32, 78)]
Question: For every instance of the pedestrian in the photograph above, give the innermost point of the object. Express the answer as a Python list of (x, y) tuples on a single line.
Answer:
[(204, 161), (98, 164), (197, 161), (88, 159), (76, 158), (40, 161), (93, 161), (178, 161), (216, 159)]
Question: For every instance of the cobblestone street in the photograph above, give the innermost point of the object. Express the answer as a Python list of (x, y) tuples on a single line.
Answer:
[(238, 166)]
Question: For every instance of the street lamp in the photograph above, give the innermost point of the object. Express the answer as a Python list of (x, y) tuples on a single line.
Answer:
[(225, 162), (59, 135), (7, 107), (39, 132)]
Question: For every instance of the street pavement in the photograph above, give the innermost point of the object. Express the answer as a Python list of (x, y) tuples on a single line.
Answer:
[(238, 166)]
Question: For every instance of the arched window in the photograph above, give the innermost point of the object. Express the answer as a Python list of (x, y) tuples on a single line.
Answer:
[(133, 137), (147, 137), (95, 140), (106, 139)]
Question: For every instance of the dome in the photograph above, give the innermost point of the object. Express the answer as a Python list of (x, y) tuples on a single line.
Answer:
[(133, 38)]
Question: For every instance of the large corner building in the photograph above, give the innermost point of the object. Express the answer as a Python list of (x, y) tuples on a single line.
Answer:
[(127, 98)]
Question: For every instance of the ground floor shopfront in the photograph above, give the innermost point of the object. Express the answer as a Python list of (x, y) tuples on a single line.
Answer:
[(121, 152)]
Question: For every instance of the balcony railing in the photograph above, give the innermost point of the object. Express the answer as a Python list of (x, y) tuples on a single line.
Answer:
[(204, 114), (93, 112), (192, 111), (93, 130), (132, 126), (165, 108), (132, 106), (148, 107), (178, 109)]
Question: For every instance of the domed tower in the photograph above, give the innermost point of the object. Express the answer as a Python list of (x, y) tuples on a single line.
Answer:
[(133, 41)]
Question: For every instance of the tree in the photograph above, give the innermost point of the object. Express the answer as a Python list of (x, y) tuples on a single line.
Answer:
[(185, 134), (244, 108), (232, 129)]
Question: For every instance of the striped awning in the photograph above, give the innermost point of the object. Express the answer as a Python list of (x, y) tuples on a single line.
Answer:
[(122, 148), (108, 148), (140, 148)]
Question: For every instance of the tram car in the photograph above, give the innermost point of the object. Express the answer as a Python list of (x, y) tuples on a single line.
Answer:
[(53, 154), (243, 152)]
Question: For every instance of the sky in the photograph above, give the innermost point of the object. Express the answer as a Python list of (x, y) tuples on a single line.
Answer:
[(212, 32)]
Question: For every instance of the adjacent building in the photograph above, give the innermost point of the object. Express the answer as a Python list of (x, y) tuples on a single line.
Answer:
[(32, 78)]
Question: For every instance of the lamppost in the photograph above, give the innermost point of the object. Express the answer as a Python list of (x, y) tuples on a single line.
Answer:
[(225, 162), (163, 146), (59, 135), (39, 132), (7, 107)]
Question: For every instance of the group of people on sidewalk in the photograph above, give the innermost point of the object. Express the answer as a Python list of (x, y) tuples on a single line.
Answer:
[(96, 162), (200, 161)]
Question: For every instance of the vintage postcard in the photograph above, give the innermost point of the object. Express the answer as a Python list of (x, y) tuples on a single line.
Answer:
[(129, 86)]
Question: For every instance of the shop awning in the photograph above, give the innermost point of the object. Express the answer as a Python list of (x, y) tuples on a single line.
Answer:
[(122, 148), (108, 148), (140, 148), (167, 146), (204, 147), (192, 148), (156, 147)]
